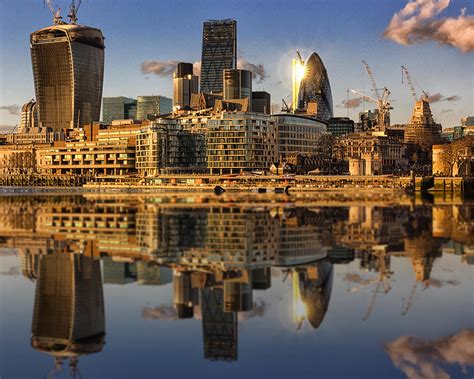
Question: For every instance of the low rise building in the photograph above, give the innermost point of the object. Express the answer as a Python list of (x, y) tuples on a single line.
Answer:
[(110, 158)]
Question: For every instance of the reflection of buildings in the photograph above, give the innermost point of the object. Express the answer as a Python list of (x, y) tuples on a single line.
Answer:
[(68, 316)]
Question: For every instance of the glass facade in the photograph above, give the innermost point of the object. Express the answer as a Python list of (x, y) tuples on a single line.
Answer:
[(155, 105), (315, 88), (219, 52), (118, 108), (68, 70), (237, 84)]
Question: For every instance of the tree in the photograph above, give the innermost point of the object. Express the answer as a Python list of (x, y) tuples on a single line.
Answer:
[(455, 154)]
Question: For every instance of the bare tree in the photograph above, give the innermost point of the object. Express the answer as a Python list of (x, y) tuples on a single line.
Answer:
[(455, 153)]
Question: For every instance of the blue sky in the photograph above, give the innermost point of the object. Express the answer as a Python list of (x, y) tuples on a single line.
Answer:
[(342, 32)]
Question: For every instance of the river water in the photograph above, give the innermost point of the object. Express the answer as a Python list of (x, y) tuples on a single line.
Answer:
[(173, 286)]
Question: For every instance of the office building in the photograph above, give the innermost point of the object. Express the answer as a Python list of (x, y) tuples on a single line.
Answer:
[(315, 89), (237, 84), (152, 105), (185, 83), (340, 126), (219, 52), (261, 102), (68, 71), (240, 141), (297, 134), (118, 108)]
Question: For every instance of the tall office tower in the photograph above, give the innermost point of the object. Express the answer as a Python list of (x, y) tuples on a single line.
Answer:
[(68, 315), (315, 88), (153, 105), (219, 52), (185, 83), (29, 116), (68, 71), (118, 108), (219, 327), (261, 102), (237, 84)]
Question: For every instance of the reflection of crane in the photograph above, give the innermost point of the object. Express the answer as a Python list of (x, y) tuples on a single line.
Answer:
[(406, 308), (73, 11), (383, 279), (410, 81), (57, 19)]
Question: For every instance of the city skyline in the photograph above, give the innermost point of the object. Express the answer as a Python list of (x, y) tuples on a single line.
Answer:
[(451, 67)]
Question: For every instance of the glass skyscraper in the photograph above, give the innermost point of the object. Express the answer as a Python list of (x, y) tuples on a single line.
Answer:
[(315, 88), (219, 52), (154, 105), (68, 71)]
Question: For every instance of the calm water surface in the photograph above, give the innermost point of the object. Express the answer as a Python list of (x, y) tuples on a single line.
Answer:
[(135, 286)]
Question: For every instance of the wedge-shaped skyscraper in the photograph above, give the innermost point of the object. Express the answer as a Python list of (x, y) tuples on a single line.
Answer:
[(68, 70), (315, 88)]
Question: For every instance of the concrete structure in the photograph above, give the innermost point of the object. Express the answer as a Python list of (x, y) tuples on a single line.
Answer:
[(163, 147), (68, 70), (185, 83), (219, 52), (28, 116), (153, 105), (315, 88), (297, 134), (261, 102), (118, 108), (238, 142), (91, 158)]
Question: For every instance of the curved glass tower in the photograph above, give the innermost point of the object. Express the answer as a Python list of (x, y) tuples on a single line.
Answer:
[(315, 88), (68, 70)]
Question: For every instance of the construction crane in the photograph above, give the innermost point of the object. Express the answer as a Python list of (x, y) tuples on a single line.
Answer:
[(57, 19), (410, 81), (382, 101), (383, 105), (73, 9)]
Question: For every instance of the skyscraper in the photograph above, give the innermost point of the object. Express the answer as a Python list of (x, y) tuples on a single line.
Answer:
[(185, 83), (261, 102), (315, 88), (118, 108), (219, 52), (68, 71), (154, 105)]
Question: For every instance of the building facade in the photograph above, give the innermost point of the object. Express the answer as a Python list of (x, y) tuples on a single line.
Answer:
[(219, 52), (261, 102), (28, 116), (118, 108), (340, 126), (297, 134), (185, 83), (240, 141), (152, 105), (237, 84), (163, 147), (68, 71)]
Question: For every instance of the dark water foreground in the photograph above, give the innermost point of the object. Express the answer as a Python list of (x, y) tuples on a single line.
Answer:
[(137, 286)]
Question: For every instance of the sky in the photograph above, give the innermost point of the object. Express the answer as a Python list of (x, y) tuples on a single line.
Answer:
[(434, 39)]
